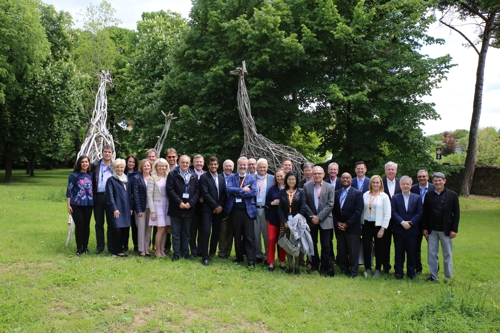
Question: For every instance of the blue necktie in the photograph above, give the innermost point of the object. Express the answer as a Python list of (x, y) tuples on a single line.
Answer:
[(342, 197)]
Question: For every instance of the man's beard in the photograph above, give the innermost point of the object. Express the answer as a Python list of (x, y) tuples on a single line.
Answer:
[(242, 171)]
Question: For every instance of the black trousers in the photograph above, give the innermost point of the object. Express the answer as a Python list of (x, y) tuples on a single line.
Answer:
[(404, 246), (99, 217), (195, 234), (325, 238), (210, 224), (348, 247), (386, 248), (418, 252), (369, 233), (133, 228), (243, 234), (180, 235), (81, 216), (118, 236)]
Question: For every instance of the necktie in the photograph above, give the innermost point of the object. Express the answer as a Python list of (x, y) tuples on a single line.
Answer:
[(342, 197)]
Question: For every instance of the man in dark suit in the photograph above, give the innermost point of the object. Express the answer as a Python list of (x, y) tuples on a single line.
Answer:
[(195, 232), (101, 171), (441, 217), (182, 193), (333, 171), (406, 215), (264, 183), (361, 182), (307, 169), (421, 188), (226, 229), (213, 191), (347, 212), (320, 199), (241, 192), (391, 187)]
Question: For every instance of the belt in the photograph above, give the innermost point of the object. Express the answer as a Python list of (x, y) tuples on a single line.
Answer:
[(261, 206)]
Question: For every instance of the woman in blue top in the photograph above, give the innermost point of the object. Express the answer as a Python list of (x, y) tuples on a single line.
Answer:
[(79, 198)]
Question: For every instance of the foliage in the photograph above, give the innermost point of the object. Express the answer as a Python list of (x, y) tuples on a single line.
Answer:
[(488, 146), (454, 159), (23, 47), (45, 287), (450, 142)]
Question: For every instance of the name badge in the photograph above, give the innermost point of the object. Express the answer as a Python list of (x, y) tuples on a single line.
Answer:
[(289, 217), (238, 200), (185, 196)]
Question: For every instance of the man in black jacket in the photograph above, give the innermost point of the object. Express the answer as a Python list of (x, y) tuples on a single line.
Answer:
[(213, 191), (441, 217), (101, 171), (182, 191)]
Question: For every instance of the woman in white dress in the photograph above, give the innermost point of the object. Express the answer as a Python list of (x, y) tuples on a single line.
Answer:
[(158, 204)]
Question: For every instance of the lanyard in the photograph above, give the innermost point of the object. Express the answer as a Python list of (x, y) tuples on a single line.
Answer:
[(371, 201), (243, 181), (290, 199), (318, 193)]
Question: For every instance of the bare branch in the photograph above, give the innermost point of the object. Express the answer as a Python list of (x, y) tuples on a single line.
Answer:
[(462, 34), (473, 11)]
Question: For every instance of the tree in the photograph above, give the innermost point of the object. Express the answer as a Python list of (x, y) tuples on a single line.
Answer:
[(450, 142), (488, 146), (23, 47), (486, 17)]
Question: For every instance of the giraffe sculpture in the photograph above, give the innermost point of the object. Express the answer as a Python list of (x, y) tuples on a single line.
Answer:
[(255, 144), (168, 119), (97, 132)]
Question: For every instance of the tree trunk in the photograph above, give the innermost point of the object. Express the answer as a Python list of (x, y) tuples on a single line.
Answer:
[(32, 165), (470, 160), (8, 168)]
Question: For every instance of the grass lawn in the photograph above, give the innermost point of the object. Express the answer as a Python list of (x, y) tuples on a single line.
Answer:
[(45, 287)]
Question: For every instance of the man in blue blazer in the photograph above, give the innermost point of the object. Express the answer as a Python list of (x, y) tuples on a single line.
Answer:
[(406, 215), (347, 212), (361, 182), (241, 192), (391, 187), (264, 183), (421, 188), (213, 192)]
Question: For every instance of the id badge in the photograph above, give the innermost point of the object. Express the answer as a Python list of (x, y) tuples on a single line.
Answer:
[(238, 200), (185, 196), (289, 217)]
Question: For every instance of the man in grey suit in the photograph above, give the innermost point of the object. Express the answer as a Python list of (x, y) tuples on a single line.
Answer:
[(264, 183), (320, 198)]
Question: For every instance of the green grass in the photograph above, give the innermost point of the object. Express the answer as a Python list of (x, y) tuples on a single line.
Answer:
[(45, 287)]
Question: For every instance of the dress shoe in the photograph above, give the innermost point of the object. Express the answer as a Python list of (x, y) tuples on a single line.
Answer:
[(205, 263), (98, 251), (188, 257), (352, 276), (86, 251), (368, 273), (237, 261), (79, 253), (148, 254), (122, 255), (259, 260), (430, 279), (289, 271), (312, 270), (251, 264), (175, 258), (297, 271), (283, 268), (271, 269), (418, 272), (377, 274), (399, 276)]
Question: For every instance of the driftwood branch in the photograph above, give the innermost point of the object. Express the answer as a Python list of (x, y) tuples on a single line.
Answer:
[(161, 140)]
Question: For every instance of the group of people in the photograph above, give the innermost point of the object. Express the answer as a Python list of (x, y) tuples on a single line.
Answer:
[(168, 205)]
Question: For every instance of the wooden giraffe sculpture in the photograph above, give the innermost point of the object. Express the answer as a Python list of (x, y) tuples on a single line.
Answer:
[(168, 119), (256, 145), (97, 132)]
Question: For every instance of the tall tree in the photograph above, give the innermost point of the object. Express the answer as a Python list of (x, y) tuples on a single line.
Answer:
[(485, 15), (23, 47)]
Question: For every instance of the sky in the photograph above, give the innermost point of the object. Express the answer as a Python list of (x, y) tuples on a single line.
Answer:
[(453, 100)]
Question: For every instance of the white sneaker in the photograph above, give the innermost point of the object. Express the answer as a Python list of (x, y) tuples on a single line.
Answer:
[(377, 274)]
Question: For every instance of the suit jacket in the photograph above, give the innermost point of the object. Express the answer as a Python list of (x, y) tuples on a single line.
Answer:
[(400, 213), (302, 183), (140, 193), (325, 204), (366, 184), (175, 190), (351, 211), (338, 184), (95, 168), (451, 211), (234, 191), (208, 189), (397, 189), (416, 188), (299, 205), (269, 184)]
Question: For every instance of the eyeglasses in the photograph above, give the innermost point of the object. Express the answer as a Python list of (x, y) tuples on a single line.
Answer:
[(421, 176), (171, 156)]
